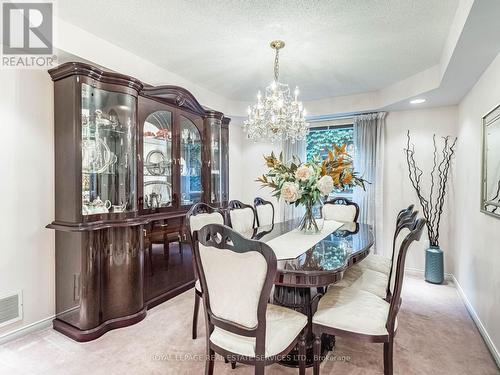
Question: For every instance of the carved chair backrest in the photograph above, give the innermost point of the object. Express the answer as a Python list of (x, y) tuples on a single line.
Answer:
[(395, 303), (404, 224), (237, 275), (341, 209), (241, 216), (202, 214), (265, 212)]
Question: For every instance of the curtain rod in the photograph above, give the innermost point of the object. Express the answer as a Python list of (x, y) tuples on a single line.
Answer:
[(342, 116)]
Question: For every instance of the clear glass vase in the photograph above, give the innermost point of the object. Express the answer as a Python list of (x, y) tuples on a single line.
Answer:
[(312, 221)]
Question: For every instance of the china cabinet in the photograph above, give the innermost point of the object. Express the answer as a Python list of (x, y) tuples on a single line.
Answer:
[(130, 160)]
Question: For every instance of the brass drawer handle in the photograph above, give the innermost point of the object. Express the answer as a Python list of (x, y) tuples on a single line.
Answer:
[(163, 225)]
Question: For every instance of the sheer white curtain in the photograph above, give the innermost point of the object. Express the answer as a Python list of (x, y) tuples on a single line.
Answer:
[(369, 132), (289, 211)]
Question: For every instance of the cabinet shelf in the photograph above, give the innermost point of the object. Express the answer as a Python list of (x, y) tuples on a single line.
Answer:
[(156, 141)]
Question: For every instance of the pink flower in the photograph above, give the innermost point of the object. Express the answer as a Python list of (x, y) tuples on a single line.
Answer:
[(290, 192), (325, 185), (303, 173)]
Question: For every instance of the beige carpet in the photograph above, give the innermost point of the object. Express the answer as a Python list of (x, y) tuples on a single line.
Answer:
[(435, 336)]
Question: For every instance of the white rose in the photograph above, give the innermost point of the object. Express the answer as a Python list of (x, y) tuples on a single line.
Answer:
[(290, 192), (303, 173), (325, 185)]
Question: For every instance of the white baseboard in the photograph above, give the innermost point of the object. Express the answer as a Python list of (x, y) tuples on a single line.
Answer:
[(36, 326), (421, 273), (482, 330)]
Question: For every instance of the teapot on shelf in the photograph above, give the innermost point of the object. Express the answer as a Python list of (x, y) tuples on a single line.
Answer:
[(119, 207), (97, 206), (153, 200)]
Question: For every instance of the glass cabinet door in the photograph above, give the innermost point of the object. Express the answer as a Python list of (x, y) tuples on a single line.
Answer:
[(224, 164), (190, 164), (215, 161), (108, 151), (157, 158)]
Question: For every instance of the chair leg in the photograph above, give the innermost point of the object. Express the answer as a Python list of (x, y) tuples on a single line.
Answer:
[(302, 354), (233, 363), (260, 368), (388, 351), (209, 364), (197, 299), (316, 354)]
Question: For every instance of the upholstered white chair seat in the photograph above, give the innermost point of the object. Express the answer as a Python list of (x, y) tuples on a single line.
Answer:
[(365, 279), (349, 226), (282, 327), (353, 310), (377, 263), (197, 285), (339, 212)]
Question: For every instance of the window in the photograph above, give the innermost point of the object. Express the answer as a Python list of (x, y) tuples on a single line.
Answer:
[(320, 139)]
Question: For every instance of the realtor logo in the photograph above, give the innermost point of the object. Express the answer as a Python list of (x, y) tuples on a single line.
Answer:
[(27, 34)]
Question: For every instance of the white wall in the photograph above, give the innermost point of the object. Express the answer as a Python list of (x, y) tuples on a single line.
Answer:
[(398, 191), (253, 166), (477, 235), (235, 159), (27, 191)]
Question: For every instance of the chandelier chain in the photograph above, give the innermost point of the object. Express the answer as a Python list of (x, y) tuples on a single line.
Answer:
[(277, 65)]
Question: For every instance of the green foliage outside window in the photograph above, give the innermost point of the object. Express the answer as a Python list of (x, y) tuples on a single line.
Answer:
[(320, 140)]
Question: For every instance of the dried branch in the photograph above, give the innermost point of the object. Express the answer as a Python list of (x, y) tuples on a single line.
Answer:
[(432, 208)]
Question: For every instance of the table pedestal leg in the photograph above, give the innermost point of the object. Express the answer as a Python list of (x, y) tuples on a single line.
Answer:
[(299, 299)]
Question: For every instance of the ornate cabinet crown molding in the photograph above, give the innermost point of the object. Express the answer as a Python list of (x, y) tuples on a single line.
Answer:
[(78, 68), (179, 97)]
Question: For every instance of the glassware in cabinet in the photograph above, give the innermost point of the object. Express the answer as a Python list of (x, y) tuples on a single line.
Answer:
[(157, 156), (108, 151), (215, 160), (190, 162)]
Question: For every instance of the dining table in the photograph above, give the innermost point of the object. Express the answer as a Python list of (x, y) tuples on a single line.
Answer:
[(302, 278)]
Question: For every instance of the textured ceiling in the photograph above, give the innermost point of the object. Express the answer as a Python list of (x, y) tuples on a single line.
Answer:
[(333, 48)]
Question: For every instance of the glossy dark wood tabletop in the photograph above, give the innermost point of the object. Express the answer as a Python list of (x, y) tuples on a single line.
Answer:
[(324, 263)]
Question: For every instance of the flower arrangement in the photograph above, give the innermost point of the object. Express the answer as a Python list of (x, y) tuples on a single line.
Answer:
[(306, 183)]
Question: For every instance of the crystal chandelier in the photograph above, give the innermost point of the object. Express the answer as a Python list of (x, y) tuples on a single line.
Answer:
[(277, 115)]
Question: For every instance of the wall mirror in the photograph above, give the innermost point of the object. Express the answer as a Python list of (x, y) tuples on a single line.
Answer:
[(490, 200)]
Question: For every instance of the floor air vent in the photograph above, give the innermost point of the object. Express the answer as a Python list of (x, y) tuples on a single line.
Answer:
[(11, 309)]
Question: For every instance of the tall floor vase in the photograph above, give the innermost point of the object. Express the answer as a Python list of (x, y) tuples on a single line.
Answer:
[(434, 268)]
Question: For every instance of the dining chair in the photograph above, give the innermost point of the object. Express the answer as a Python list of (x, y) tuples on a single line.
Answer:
[(164, 239), (264, 211), (197, 217), (240, 216), (237, 275), (341, 209), (360, 314), (379, 282), (382, 263)]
